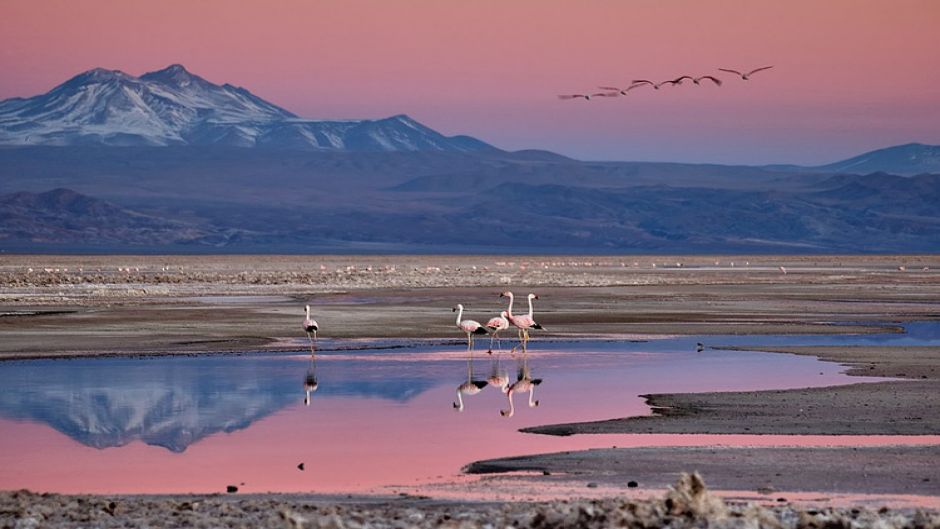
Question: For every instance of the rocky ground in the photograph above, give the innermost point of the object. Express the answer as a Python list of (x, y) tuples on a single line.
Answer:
[(687, 504)]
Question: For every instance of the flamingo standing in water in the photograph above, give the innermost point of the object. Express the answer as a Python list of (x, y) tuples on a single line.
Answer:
[(499, 323), (524, 384), (470, 387), (468, 326), (523, 323), (310, 326)]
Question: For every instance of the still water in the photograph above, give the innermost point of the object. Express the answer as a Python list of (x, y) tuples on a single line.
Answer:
[(366, 420)]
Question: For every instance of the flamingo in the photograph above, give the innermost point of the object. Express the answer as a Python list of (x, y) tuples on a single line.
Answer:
[(587, 97), (678, 80), (468, 326), (641, 82), (524, 323), (495, 325), (621, 91), (746, 75), (310, 326), (713, 79), (470, 387), (524, 384)]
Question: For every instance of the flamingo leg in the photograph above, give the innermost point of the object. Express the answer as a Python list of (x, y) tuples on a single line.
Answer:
[(311, 343)]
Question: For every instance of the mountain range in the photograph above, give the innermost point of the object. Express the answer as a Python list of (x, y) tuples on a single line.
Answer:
[(171, 162), (175, 107)]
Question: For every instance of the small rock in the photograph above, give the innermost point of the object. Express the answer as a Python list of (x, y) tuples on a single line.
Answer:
[(300, 466), (782, 500), (592, 485), (231, 489), (546, 473), (632, 484)]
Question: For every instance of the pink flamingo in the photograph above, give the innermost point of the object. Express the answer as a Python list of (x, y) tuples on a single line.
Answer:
[(746, 75), (468, 326), (499, 323), (523, 323), (310, 326)]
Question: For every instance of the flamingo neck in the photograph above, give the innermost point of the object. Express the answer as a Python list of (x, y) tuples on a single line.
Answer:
[(459, 313), (530, 306), (459, 401), (532, 401), (307, 311), (512, 409), (509, 310)]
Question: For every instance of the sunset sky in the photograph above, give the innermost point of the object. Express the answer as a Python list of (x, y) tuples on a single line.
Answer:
[(849, 75)]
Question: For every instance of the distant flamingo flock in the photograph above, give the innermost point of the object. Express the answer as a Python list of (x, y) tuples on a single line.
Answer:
[(615, 91), (524, 382)]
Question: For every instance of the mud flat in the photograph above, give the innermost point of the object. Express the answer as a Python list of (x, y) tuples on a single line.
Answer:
[(898, 407), (89, 305), (905, 407)]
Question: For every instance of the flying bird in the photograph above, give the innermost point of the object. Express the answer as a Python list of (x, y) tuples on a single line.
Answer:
[(621, 91), (641, 82), (745, 76), (713, 79), (678, 80), (587, 97)]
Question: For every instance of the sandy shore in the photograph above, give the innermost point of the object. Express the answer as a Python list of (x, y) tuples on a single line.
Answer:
[(688, 504)]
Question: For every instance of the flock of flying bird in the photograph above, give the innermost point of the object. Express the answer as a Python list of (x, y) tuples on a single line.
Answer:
[(613, 91)]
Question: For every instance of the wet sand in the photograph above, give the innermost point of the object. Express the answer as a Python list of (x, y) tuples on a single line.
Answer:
[(868, 470), (88, 305)]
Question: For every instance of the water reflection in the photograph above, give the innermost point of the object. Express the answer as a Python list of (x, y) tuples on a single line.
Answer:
[(499, 376), (470, 387), (310, 379), (524, 384), (174, 402)]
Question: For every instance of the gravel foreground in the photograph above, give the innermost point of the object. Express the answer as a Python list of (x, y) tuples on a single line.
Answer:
[(687, 504)]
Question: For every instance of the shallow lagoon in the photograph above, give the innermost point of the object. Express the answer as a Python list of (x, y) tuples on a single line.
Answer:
[(378, 419)]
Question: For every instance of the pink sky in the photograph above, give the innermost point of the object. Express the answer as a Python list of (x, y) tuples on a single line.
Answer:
[(850, 75)]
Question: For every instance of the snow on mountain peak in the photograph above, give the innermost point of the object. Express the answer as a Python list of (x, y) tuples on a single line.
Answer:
[(174, 106)]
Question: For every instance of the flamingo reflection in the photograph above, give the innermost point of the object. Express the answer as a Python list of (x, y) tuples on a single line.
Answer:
[(524, 384), (310, 379), (499, 377), (470, 387)]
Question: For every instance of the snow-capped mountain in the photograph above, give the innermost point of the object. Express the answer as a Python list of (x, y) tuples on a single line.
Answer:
[(175, 107)]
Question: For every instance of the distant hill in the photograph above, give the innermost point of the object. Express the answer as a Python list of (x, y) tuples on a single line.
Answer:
[(62, 216), (171, 162), (175, 107), (908, 160)]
